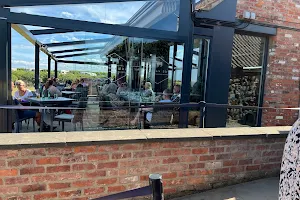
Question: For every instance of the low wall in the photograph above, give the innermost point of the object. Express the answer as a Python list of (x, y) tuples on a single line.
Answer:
[(84, 165)]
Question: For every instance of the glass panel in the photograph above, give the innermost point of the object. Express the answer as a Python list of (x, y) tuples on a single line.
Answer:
[(159, 14), (245, 82), (119, 78)]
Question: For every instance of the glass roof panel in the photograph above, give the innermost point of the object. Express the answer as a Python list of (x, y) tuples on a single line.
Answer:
[(207, 4), (160, 14)]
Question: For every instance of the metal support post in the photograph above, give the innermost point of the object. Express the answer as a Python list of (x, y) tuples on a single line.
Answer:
[(49, 66), (5, 76), (37, 67), (55, 70), (156, 185)]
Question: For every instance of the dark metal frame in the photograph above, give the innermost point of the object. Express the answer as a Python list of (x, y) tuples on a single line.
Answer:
[(218, 56)]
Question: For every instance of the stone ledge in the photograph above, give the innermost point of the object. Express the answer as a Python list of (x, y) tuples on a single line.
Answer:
[(138, 135)]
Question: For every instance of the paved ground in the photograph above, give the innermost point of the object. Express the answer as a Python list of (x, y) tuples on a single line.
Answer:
[(264, 189)]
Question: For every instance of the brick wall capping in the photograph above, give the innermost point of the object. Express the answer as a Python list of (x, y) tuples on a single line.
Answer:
[(82, 138)]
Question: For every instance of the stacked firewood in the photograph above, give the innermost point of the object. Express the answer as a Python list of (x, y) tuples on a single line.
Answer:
[(243, 91)]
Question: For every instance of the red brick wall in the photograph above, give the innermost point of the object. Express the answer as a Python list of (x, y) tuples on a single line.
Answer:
[(80, 172), (282, 81)]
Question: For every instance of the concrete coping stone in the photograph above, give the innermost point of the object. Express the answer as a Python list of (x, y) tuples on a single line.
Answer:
[(16, 139)]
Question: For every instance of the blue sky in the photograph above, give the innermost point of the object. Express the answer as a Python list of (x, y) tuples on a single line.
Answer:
[(113, 13)]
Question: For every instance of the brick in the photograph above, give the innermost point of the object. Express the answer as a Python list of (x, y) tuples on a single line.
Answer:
[(277, 147), (114, 172), (92, 191), (55, 186), (131, 179), (275, 159), (178, 167), (144, 178), (223, 156), (17, 181), (205, 172), (118, 188), (186, 173), (43, 178), (230, 163), (262, 147), (108, 181), (169, 190), (8, 190), (48, 195), (178, 152), (48, 161), (252, 168), (83, 167), (269, 153), (160, 168), (196, 166), (245, 162), (174, 182), (1, 182), (33, 152), (142, 154), (85, 183), (9, 153), (270, 166), (98, 157), (99, 173), (213, 165), (208, 157), (74, 158), (238, 155), (171, 145), (140, 170), (237, 169), (130, 163), (163, 153), (121, 155), (189, 159), (127, 147), (223, 142), (85, 149), (17, 197), (59, 151), (200, 151), (216, 150), (8, 172), (170, 175), (69, 176), (32, 170), (70, 193), (107, 165), (222, 171), (19, 162), (108, 148), (33, 188), (170, 160), (63, 168), (2, 163)]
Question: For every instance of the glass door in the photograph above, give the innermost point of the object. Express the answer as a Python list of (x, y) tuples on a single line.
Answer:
[(199, 75)]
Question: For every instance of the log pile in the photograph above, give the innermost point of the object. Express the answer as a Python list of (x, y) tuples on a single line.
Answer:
[(243, 91)]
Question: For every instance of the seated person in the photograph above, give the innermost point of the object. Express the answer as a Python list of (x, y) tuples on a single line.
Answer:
[(22, 94), (176, 94), (27, 113), (83, 83), (166, 99), (122, 88), (74, 84), (49, 88)]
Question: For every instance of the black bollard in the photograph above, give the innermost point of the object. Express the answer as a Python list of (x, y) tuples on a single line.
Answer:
[(156, 185)]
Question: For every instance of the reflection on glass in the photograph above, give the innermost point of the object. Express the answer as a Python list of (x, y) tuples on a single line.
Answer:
[(158, 14), (245, 82)]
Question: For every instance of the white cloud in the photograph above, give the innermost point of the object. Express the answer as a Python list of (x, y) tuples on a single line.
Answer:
[(67, 15)]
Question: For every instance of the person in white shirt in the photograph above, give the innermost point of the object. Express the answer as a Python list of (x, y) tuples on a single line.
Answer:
[(22, 94)]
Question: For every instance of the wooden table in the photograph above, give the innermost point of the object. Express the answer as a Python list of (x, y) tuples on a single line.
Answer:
[(60, 101)]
